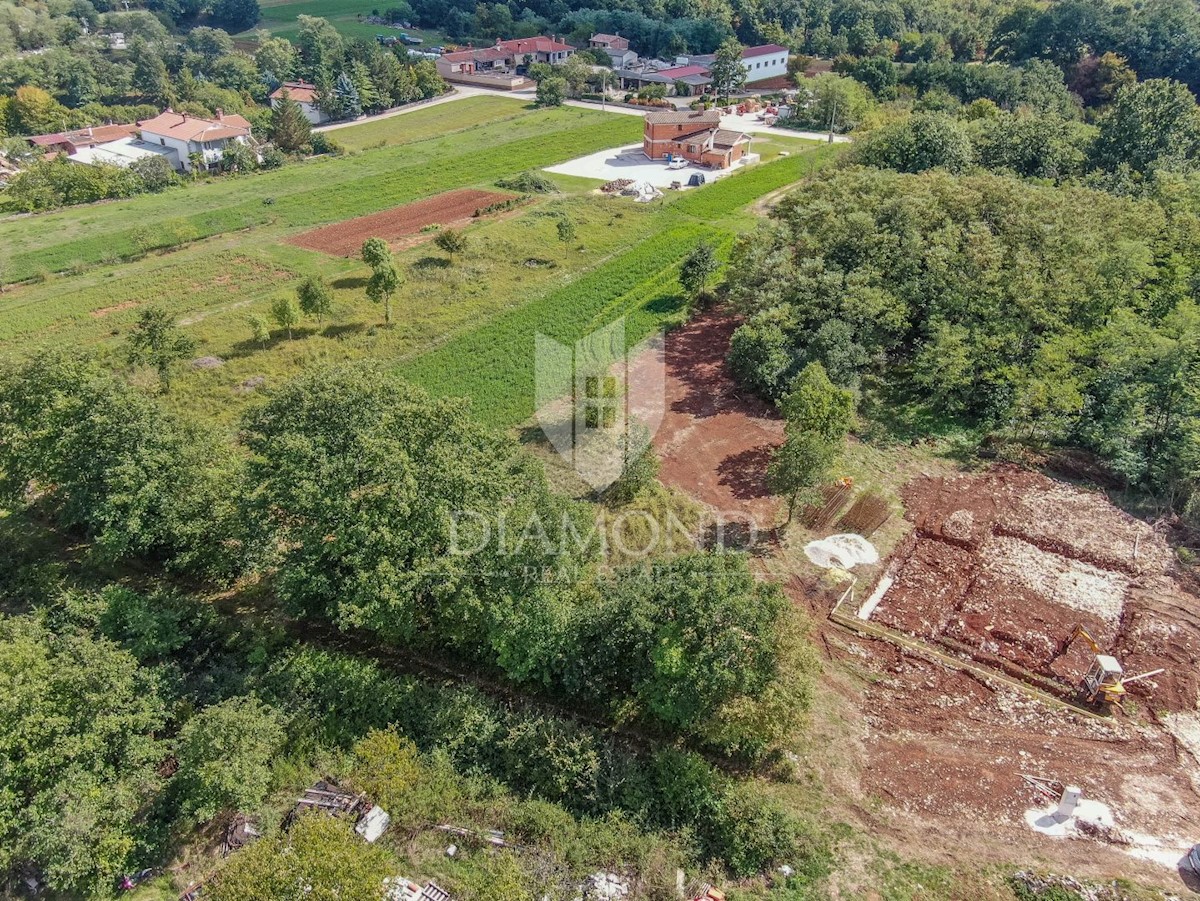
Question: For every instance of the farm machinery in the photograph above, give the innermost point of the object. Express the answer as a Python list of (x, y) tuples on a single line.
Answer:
[(1105, 679)]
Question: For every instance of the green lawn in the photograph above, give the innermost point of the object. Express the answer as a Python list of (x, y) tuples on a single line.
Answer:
[(461, 327), (461, 116), (279, 18)]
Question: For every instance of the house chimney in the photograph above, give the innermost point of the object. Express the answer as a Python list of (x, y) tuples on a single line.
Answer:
[(184, 117), (220, 114)]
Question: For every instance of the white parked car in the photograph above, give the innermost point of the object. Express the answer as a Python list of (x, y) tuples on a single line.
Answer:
[(677, 164)]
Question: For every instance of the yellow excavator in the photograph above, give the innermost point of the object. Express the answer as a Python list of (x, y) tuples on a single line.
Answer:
[(1106, 677)]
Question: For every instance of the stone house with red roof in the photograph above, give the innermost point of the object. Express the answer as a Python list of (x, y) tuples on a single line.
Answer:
[(305, 95), (694, 135)]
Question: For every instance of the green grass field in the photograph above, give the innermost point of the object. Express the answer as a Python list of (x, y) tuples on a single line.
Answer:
[(462, 326), (279, 18)]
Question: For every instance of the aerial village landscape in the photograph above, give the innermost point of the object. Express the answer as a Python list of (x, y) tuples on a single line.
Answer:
[(706, 450)]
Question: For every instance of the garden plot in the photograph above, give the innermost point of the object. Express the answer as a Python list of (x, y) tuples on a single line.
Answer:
[(346, 238)]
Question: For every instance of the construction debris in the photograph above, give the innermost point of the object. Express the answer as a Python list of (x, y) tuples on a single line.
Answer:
[(603, 886), (400, 888), (616, 185)]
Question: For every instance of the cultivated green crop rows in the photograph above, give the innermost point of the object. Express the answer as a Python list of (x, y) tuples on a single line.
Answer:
[(494, 364)]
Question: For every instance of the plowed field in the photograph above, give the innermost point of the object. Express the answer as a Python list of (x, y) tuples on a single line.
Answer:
[(346, 238)]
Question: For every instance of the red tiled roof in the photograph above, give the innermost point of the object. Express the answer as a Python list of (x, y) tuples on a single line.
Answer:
[(539, 44), (762, 50), (684, 71), (194, 128), (300, 91), (685, 117), (85, 137), (459, 56)]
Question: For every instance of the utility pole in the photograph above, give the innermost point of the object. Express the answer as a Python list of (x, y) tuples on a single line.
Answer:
[(832, 119), (604, 91)]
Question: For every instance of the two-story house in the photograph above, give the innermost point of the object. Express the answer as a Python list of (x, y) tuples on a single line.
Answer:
[(694, 135), (187, 135), (616, 47)]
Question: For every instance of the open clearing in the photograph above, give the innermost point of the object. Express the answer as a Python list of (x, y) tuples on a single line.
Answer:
[(714, 440), (993, 568), (346, 238)]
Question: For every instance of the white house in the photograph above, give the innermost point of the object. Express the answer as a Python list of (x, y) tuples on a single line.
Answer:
[(764, 61), (304, 94), (187, 134)]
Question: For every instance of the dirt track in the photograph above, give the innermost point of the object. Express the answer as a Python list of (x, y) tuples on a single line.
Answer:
[(346, 238), (715, 441)]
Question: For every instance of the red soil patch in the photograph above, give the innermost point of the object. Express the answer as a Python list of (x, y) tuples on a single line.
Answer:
[(1008, 563), (715, 441), (346, 238)]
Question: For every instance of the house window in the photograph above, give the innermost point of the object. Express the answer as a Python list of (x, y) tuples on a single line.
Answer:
[(163, 141)]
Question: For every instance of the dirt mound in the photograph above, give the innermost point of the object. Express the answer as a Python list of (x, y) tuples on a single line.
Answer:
[(346, 238)]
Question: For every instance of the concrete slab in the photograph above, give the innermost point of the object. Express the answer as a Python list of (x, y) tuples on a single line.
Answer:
[(630, 162)]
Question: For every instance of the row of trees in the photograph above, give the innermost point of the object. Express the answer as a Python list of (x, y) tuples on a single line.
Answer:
[(1150, 126)]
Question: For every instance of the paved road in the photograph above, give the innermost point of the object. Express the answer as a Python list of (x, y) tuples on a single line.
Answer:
[(747, 124)]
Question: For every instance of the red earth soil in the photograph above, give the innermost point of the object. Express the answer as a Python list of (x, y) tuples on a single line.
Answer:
[(947, 586), (346, 238), (930, 756), (715, 440)]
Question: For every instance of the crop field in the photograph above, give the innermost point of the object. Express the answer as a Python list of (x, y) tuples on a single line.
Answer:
[(462, 326), (493, 365), (305, 194)]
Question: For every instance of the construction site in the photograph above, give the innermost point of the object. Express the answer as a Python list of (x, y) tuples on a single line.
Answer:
[(1027, 665)]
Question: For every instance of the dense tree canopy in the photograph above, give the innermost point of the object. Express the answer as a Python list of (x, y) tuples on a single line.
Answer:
[(104, 459), (942, 288), (78, 739)]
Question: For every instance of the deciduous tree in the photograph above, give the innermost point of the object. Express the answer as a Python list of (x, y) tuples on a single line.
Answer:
[(158, 342), (286, 313)]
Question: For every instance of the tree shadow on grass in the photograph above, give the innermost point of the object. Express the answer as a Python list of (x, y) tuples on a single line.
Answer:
[(344, 330), (349, 282)]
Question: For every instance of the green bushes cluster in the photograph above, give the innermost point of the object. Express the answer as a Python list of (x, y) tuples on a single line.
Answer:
[(50, 184)]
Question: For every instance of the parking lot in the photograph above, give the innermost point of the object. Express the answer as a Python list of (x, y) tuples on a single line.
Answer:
[(630, 162)]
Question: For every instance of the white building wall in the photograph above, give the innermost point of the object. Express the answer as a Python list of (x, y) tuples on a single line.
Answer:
[(769, 65)]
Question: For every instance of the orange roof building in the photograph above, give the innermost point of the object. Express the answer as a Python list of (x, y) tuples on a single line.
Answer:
[(188, 135), (304, 94)]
